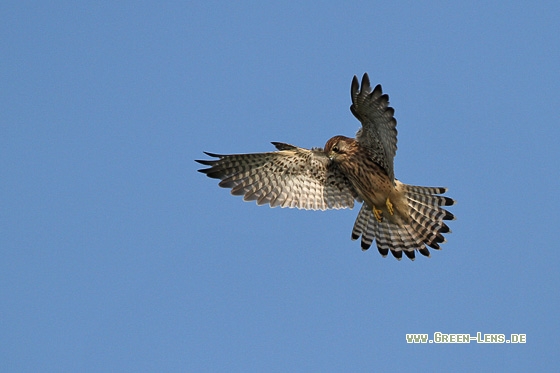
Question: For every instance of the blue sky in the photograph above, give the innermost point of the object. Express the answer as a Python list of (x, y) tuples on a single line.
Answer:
[(116, 255)]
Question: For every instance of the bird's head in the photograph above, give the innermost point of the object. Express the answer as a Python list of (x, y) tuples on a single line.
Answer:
[(338, 148)]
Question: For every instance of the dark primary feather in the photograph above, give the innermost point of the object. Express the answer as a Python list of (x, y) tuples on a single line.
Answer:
[(378, 132)]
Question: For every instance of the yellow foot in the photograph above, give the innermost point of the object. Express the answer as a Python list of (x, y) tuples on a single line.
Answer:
[(378, 214), (389, 206)]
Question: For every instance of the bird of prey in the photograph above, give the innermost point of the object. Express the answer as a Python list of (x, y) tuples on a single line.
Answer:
[(399, 217)]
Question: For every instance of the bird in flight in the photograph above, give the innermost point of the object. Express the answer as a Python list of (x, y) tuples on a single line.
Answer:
[(399, 217)]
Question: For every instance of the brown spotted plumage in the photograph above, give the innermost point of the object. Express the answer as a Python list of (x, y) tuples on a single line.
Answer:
[(401, 218)]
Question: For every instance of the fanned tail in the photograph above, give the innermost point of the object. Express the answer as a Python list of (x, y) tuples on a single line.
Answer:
[(425, 228)]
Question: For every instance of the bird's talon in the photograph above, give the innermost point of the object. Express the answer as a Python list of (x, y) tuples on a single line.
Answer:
[(378, 214), (389, 206)]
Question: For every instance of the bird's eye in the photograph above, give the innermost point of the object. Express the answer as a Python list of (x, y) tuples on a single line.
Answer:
[(335, 149)]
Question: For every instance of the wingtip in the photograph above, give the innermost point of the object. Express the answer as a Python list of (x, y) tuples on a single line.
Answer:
[(203, 161), (283, 146), (206, 162), (213, 155), (366, 85), (354, 87)]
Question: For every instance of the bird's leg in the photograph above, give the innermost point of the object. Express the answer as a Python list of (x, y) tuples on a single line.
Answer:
[(389, 206), (378, 214)]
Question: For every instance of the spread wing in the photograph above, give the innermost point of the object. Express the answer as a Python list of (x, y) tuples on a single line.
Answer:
[(379, 127), (289, 177)]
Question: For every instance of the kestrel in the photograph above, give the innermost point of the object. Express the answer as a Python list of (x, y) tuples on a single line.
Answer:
[(399, 217)]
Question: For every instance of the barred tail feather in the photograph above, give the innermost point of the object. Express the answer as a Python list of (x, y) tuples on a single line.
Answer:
[(425, 228), (361, 228)]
